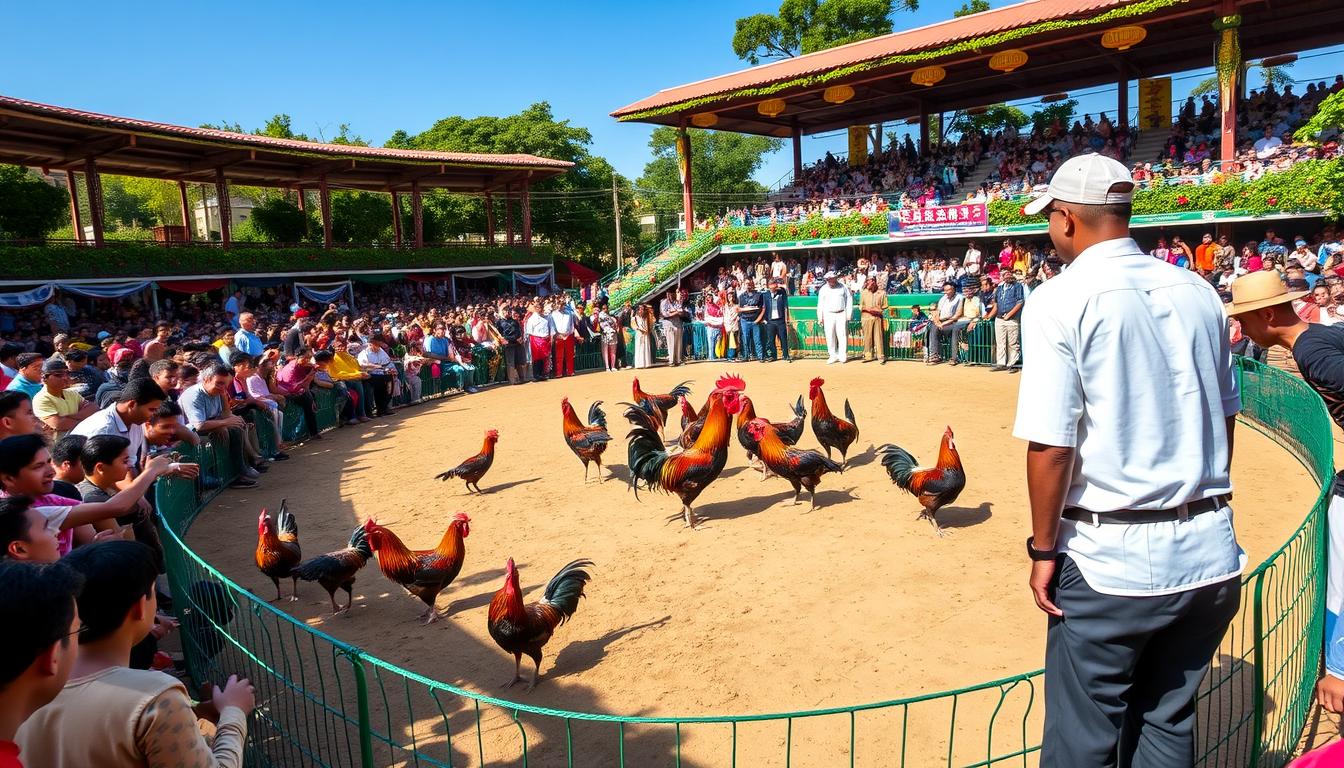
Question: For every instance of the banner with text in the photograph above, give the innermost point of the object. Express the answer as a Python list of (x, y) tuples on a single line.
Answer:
[(942, 219)]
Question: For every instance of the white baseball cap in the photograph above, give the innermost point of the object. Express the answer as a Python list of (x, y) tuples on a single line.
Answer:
[(1090, 179)]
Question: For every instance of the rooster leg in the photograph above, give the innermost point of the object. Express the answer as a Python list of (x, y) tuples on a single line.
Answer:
[(536, 673), (277, 590), (294, 593), (434, 614), (585, 472), (517, 676), (334, 609), (938, 529), (689, 514), (600, 479)]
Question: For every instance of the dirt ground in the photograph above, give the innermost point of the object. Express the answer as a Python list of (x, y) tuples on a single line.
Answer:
[(767, 608)]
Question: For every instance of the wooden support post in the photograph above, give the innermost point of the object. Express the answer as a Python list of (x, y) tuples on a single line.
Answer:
[(225, 208), (1227, 48), (923, 128), (684, 165), (1122, 104), (417, 215), (184, 207), (74, 206), (508, 215), (301, 199), (489, 218), (324, 205), (94, 185), (396, 220), (797, 153), (527, 216)]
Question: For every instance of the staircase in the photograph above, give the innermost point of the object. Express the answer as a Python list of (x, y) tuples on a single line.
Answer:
[(659, 266), (1150, 143), (978, 175)]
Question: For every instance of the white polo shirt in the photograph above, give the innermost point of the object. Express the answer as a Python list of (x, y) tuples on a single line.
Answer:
[(1126, 359), (108, 422)]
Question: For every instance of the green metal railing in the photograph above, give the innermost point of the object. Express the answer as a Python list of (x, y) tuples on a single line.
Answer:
[(323, 702)]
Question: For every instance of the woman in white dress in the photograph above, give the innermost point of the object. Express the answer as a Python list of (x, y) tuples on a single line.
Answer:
[(643, 323)]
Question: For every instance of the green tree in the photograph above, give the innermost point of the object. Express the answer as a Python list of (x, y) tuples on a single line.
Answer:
[(126, 205), (29, 207), (722, 167), (805, 26), (1277, 76), (994, 118), (1061, 111), (361, 217), (970, 7), (278, 220), (1329, 115)]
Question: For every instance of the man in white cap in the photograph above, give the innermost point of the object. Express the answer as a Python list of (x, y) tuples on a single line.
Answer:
[(1128, 401), (1264, 306), (834, 305)]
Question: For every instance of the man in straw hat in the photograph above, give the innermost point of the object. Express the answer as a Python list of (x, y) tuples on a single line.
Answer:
[(1133, 553), (1263, 304)]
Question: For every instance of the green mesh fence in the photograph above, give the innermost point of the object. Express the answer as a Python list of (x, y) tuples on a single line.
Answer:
[(322, 702)]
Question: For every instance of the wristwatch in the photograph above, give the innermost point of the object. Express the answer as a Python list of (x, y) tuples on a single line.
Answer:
[(1036, 554)]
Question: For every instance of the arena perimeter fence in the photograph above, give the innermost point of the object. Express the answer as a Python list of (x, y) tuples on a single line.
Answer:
[(324, 702)]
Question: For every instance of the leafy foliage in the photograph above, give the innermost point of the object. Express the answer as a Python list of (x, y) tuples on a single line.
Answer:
[(995, 118), (361, 217), (722, 167), (1330, 114), (29, 207), (805, 26), (279, 220), (1063, 111), (970, 7)]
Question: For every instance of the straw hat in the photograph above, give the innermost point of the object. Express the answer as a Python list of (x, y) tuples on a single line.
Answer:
[(1259, 290)]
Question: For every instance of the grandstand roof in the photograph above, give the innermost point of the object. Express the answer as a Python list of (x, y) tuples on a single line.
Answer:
[(60, 138), (1061, 38)]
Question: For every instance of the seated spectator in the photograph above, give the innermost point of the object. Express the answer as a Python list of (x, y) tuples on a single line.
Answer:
[(85, 379), (110, 715), (28, 376), (37, 609), (59, 408), (16, 415), (210, 415)]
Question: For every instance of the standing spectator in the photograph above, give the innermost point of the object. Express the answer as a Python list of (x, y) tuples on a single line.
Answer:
[(58, 407), (374, 361), (873, 306), (713, 319), (1206, 255), (246, 340), (972, 259), (157, 347), (671, 311), (515, 356), (643, 324), (539, 331), (84, 378), (57, 318), (777, 320), (38, 611), (109, 714), (750, 317), (563, 328), (944, 322), (233, 309), (1009, 298), (835, 305), (1134, 556), (28, 378), (608, 330), (624, 316)]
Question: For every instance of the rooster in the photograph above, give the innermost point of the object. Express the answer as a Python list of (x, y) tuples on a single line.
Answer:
[(655, 419), (473, 469), (803, 469), (524, 629), (831, 431), (664, 403), (688, 473), (336, 570), (935, 487), (278, 551), (691, 422), (788, 432), (588, 442), (424, 573)]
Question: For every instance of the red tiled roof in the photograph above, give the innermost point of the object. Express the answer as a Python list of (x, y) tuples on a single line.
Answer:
[(909, 41), (284, 145)]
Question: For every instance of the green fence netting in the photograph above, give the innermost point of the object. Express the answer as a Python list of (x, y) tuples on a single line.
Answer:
[(322, 702)]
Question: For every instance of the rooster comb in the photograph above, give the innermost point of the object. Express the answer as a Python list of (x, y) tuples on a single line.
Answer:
[(461, 517), (731, 381), (492, 433), (817, 382)]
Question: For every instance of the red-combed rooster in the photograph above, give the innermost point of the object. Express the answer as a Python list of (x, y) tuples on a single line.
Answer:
[(278, 550), (832, 431), (935, 486), (788, 431), (588, 442), (664, 403), (803, 469), (688, 473), (524, 629), (691, 422), (424, 573), (473, 469), (336, 570)]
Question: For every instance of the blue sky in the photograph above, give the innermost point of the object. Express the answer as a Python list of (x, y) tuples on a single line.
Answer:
[(381, 67)]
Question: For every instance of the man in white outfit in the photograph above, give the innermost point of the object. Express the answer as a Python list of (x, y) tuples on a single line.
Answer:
[(834, 305)]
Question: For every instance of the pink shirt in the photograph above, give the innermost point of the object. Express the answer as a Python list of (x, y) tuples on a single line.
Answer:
[(49, 504)]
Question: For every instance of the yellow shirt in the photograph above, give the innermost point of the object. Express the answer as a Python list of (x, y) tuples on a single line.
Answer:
[(344, 367), (66, 404)]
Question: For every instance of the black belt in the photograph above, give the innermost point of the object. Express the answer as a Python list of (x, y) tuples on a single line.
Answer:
[(1141, 516)]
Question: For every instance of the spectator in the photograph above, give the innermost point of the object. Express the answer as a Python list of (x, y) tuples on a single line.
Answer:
[(58, 408), (1206, 255), (127, 417), (944, 322), (1267, 145), (210, 416), (16, 415), (38, 611), (750, 318), (345, 369), (233, 309), (712, 316), (157, 347), (109, 714), (643, 324), (28, 376), (374, 361), (873, 306), (563, 330), (835, 305), (1009, 298), (9, 362), (673, 314), (972, 312), (777, 321), (515, 352), (84, 379), (65, 455), (246, 340)]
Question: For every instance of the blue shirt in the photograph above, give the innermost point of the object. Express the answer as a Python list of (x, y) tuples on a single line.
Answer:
[(436, 346), (200, 406), (21, 384), (1008, 296), (248, 343)]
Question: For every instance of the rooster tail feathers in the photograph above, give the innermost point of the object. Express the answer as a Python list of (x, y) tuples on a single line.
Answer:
[(566, 587), (640, 416), (798, 409), (849, 414), (645, 456), (286, 520), (681, 390), (900, 465), (596, 416), (454, 472)]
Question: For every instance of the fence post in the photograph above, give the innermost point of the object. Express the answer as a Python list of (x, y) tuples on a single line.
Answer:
[(1258, 660), (362, 697)]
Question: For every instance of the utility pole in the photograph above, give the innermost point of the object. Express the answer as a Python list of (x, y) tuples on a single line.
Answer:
[(616, 212)]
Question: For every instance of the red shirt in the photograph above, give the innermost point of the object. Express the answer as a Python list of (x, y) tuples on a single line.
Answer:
[(9, 755)]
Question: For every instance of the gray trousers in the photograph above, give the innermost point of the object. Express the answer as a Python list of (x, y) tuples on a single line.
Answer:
[(672, 335), (1121, 673)]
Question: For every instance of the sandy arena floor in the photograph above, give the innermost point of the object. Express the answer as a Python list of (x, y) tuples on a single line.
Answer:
[(767, 608)]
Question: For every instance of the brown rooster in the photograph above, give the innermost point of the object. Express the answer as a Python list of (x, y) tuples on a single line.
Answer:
[(278, 550), (336, 570), (688, 473), (424, 573), (803, 469), (588, 442), (832, 431), (525, 629), (473, 469), (691, 422), (788, 432), (664, 403), (936, 486)]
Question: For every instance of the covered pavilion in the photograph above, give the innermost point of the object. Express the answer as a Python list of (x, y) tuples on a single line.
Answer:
[(1029, 49), (63, 139)]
